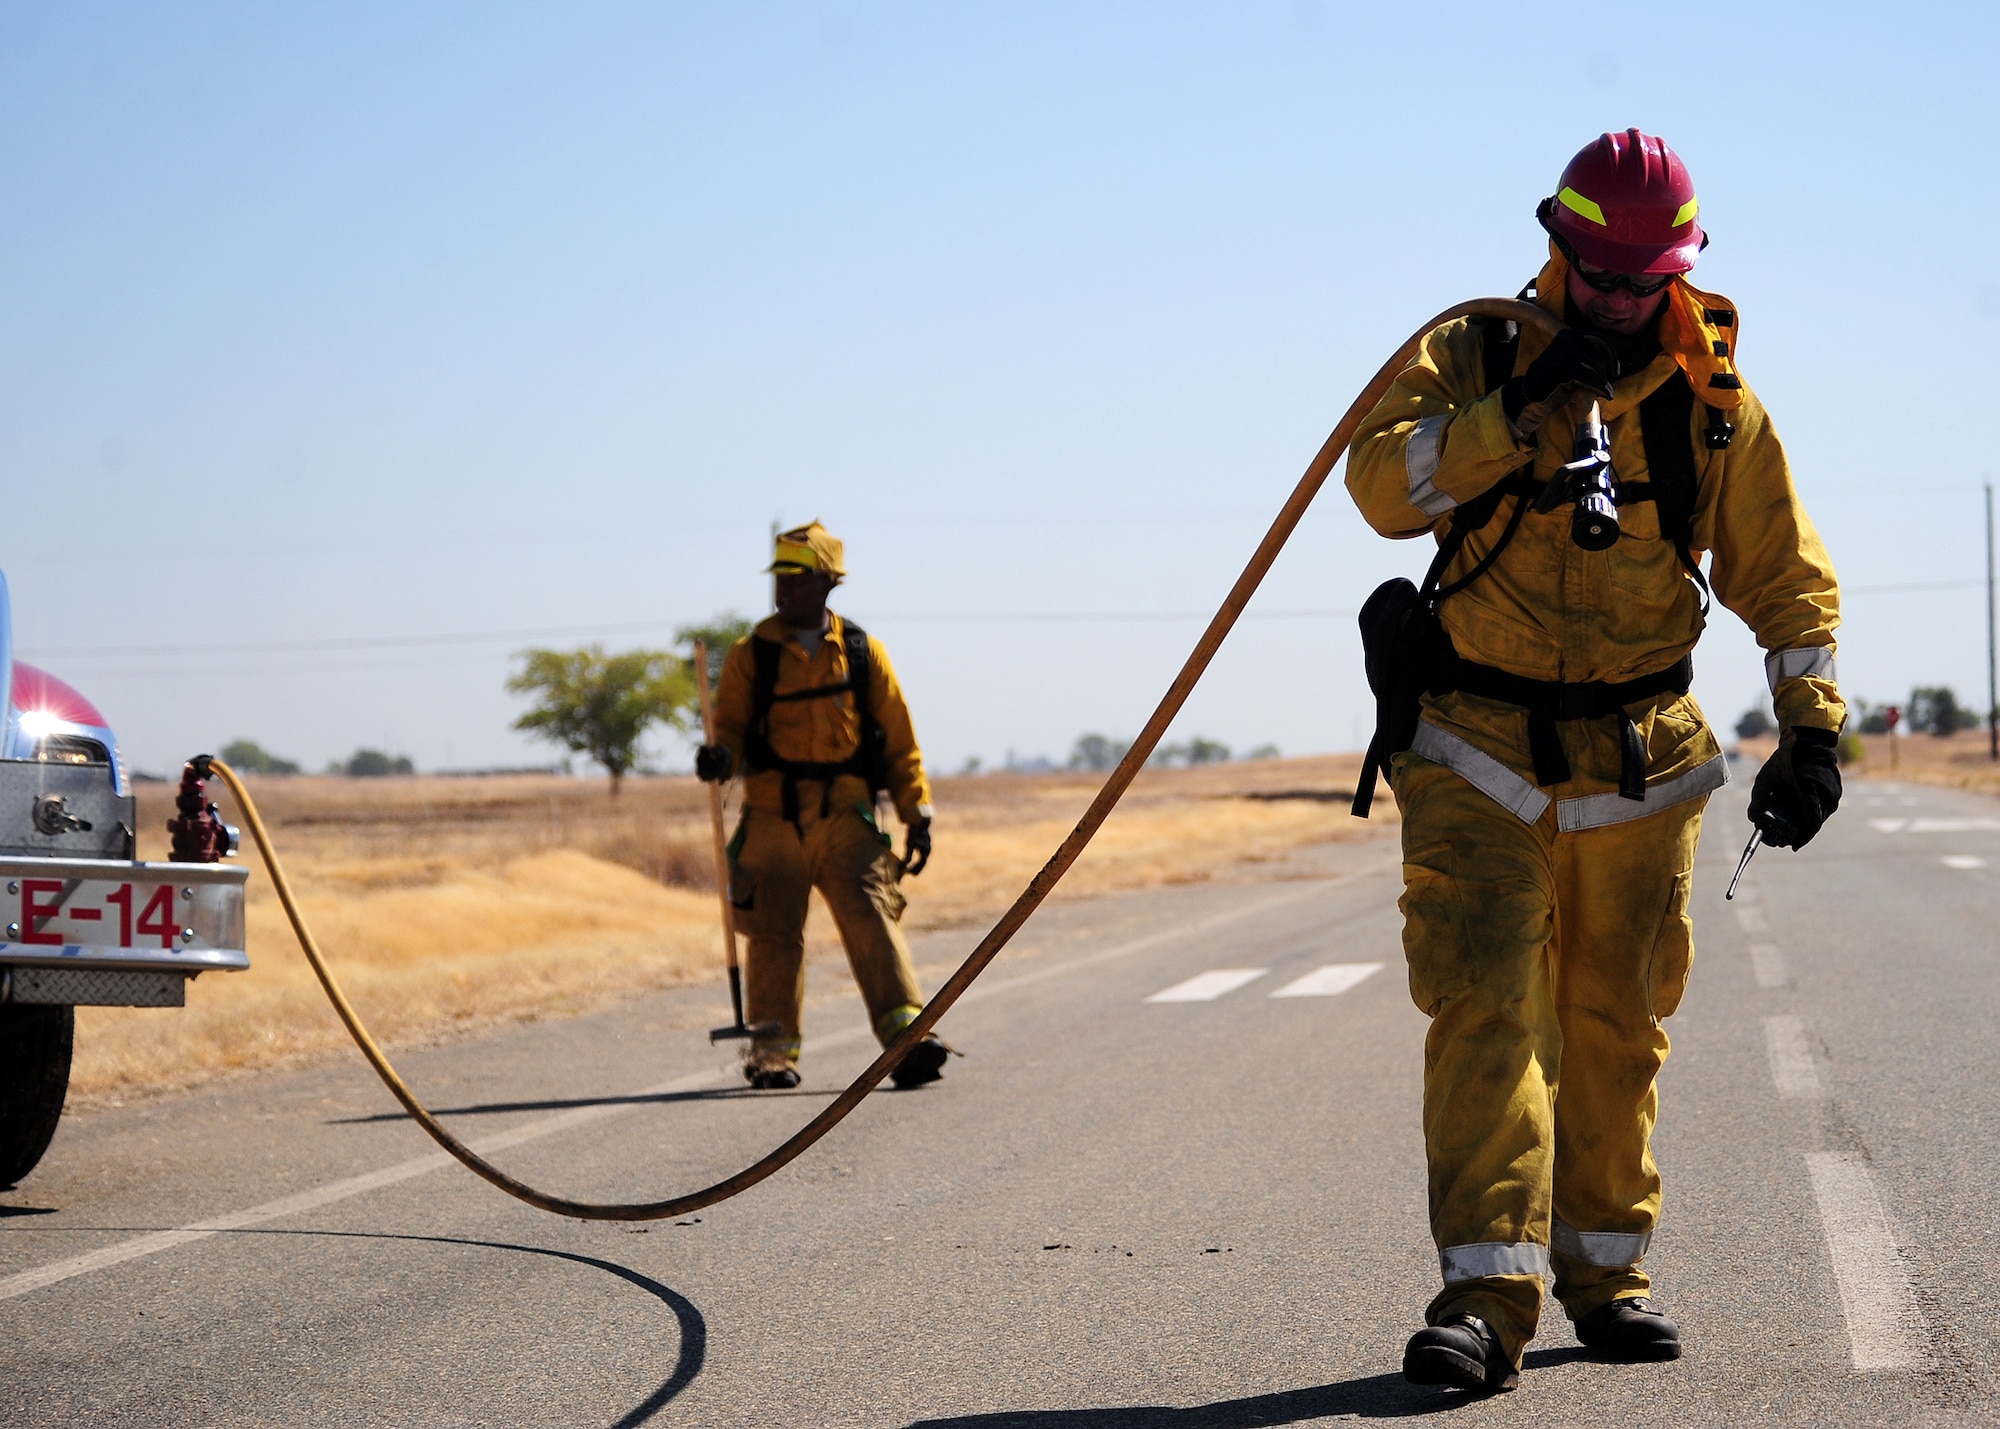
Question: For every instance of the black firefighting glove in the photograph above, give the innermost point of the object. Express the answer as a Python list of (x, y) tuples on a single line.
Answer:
[(713, 763), (1573, 360), (917, 853), (1798, 788)]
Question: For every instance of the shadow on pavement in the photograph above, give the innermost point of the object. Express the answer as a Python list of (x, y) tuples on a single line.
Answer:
[(693, 1328), (1379, 1396), (661, 1099)]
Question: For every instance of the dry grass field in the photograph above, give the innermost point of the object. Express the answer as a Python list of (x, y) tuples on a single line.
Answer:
[(446, 904), (1961, 761)]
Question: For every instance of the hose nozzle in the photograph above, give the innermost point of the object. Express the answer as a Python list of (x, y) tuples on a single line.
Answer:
[(1594, 523)]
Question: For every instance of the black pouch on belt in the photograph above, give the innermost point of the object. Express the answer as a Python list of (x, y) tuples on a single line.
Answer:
[(1400, 640)]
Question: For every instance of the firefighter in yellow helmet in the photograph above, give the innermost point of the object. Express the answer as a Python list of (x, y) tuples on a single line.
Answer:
[(1553, 789), (809, 712)]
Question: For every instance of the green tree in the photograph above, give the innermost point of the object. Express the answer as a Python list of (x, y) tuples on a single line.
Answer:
[(1936, 708), (1754, 724), (1097, 752), (373, 764), (601, 705), (247, 756), (719, 634)]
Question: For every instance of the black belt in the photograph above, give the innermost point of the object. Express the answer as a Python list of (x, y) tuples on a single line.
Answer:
[(763, 761), (1547, 701)]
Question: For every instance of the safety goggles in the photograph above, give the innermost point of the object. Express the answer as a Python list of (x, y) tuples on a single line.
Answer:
[(1605, 281)]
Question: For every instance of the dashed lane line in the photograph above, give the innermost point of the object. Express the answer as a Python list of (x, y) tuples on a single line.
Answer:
[(980, 991), (1208, 986), (1963, 860), (1751, 919), (1984, 824), (1329, 981), (1885, 1327), (27, 1281), (1768, 964), (1792, 1065)]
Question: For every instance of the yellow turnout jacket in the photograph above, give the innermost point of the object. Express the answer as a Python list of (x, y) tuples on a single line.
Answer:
[(1549, 610)]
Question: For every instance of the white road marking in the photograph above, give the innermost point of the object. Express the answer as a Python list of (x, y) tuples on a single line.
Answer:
[(28, 1280), (1885, 1329), (1980, 825), (1963, 860), (1751, 920), (1208, 986), (1329, 981), (159, 1241), (25, 1281), (981, 990), (1792, 1065), (1769, 965)]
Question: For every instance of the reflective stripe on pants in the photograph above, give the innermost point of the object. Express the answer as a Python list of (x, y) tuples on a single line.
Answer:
[(1481, 770), (1589, 811), (1596, 811), (1607, 1248), (1459, 1263)]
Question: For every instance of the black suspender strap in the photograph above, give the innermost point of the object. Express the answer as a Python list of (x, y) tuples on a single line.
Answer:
[(1666, 429)]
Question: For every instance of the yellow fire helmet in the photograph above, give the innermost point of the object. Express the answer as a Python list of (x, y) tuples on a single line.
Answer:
[(810, 547)]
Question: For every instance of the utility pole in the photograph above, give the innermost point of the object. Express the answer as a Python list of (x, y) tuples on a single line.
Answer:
[(1992, 669)]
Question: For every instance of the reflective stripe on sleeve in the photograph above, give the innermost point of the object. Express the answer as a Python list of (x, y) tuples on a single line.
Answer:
[(1420, 460), (1606, 1248), (1594, 811), (1481, 770), (1782, 665), (1492, 1257)]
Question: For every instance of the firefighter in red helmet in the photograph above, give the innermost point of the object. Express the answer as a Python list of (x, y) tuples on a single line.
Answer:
[(1552, 795)]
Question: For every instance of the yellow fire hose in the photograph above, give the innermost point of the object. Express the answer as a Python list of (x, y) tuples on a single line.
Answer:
[(1010, 923)]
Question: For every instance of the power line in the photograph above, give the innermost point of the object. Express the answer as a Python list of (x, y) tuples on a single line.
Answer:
[(923, 617), (487, 637)]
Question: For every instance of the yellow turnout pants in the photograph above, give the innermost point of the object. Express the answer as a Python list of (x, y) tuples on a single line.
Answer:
[(774, 866), (1546, 953)]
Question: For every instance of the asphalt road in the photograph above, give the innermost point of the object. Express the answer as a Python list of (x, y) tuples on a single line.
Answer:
[(1114, 1211)]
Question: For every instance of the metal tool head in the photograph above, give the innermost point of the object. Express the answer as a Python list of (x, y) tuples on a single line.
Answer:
[(755, 1029), (1749, 850)]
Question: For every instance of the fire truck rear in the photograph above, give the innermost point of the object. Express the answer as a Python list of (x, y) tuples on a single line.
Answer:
[(82, 922)]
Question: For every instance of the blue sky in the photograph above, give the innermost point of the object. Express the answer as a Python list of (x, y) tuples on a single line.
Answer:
[(362, 323)]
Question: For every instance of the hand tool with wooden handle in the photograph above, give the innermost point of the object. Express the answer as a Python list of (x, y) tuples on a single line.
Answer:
[(762, 1029)]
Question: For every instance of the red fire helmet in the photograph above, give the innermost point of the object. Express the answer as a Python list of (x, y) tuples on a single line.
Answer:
[(1626, 203)]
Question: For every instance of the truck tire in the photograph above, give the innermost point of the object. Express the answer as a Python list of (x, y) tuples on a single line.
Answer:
[(35, 1045)]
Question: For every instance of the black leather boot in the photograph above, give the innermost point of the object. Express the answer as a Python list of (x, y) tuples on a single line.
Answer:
[(1630, 1330), (1460, 1351), (922, 1063)]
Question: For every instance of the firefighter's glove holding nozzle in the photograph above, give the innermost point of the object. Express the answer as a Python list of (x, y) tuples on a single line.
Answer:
[(917, 852), (713, 763), (1573, 361), (1798, 788)]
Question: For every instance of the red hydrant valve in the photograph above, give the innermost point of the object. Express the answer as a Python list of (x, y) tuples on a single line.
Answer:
[(199, 834)]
